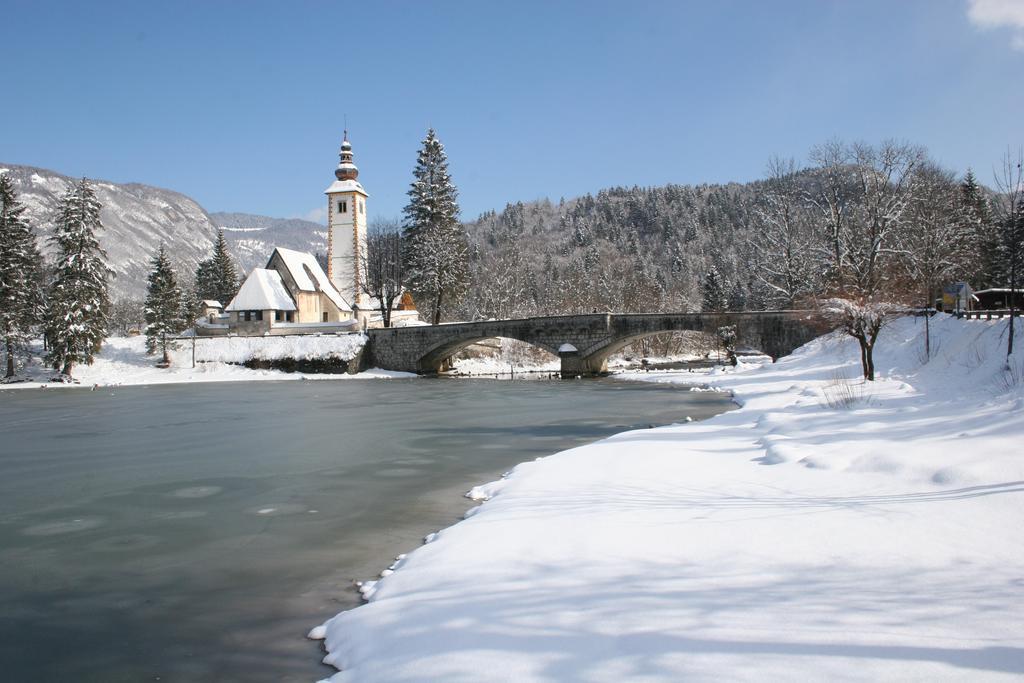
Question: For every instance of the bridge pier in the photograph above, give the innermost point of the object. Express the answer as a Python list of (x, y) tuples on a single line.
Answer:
[(574, 365)]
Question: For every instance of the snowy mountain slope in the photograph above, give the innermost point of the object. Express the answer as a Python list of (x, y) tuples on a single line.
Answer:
[(252, 238), (136, 219)]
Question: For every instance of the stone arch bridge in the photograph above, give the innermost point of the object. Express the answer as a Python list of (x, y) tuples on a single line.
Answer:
[(583, 342)]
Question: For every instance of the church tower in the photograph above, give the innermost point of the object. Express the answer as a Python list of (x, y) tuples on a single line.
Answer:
[(346, 228)]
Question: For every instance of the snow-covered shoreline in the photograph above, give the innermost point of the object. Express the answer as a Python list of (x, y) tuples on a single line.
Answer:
[(825, 530), (123, 362)]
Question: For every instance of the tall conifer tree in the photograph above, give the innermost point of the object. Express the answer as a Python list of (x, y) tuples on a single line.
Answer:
[(165, 307), (20, 276), (78, 303), (976, 216), (216, 277), (437, 252), (713, 292)]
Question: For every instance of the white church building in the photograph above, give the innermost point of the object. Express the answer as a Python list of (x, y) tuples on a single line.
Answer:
[(293, 295)]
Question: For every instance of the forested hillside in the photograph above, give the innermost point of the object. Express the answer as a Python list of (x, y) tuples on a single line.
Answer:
[(623, 249), (860, 220)]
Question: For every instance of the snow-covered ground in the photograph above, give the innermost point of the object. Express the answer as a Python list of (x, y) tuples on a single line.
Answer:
[(825, 530), (123, 361)]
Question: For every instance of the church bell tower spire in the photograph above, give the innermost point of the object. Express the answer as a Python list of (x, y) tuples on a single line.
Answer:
[(346, 168), (346, 227)]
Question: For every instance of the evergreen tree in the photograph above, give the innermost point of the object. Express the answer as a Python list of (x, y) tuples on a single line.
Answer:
[(737, 297), (76, 318), (216, 277), (981, 230), (437, 250), (713, 294), (20, 275), (165, 307)]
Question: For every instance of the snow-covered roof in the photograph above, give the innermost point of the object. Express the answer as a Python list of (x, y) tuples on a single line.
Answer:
[(346, 186), (309, 276), (211, 303), (263, 290)]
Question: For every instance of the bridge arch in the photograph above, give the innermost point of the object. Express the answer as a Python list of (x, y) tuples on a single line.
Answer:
[(433, 359)]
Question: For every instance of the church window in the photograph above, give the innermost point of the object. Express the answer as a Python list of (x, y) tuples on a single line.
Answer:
[(258, 315), (342, 207), (277, 316), (362, 207), (290, 317), (325, 316)]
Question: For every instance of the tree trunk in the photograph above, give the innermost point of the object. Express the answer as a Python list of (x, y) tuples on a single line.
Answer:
[(10, 359), (1013, 308), (66, 370), (437, 307), (927, 335), (863, 355)]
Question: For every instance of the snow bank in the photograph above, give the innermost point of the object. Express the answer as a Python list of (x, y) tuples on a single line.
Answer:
[(123, 361), (299, 347), (797, 538)]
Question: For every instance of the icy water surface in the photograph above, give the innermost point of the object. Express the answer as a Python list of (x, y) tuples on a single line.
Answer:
[(197, 532)]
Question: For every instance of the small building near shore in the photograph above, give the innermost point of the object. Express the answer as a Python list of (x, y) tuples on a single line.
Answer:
[(998, 298), (957, 297)]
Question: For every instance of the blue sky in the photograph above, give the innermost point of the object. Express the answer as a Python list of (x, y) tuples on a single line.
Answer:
[(241, 105)]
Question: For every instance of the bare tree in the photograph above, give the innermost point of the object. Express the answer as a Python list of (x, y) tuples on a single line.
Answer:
[(935, 244), (863, 320), (383, 269), (127, 315), (784, 239), (884, 177), (833, 195), (1009, 206)]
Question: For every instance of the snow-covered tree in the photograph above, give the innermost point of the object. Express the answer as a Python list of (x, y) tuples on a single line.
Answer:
[(1009, 256), (127, 315), (863, 320), (935, 244), (436, 246), (21, 301), (884, 177), (78, 303), (833, 195), (976, 220), (727, 337), (216, 277), (383, 267), (713, 293), (165, 307), (784, 239)]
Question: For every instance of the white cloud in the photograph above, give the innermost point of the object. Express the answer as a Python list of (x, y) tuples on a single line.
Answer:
[(1009, 14), (317, 215)]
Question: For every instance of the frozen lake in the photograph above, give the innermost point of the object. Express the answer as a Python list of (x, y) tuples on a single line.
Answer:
[(197, 532)]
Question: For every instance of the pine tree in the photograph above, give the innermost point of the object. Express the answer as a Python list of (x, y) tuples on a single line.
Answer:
[(977, 223), (165, 307), (437, 249), (20, 275), (76, 319), (216, 277), (713, 293)]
